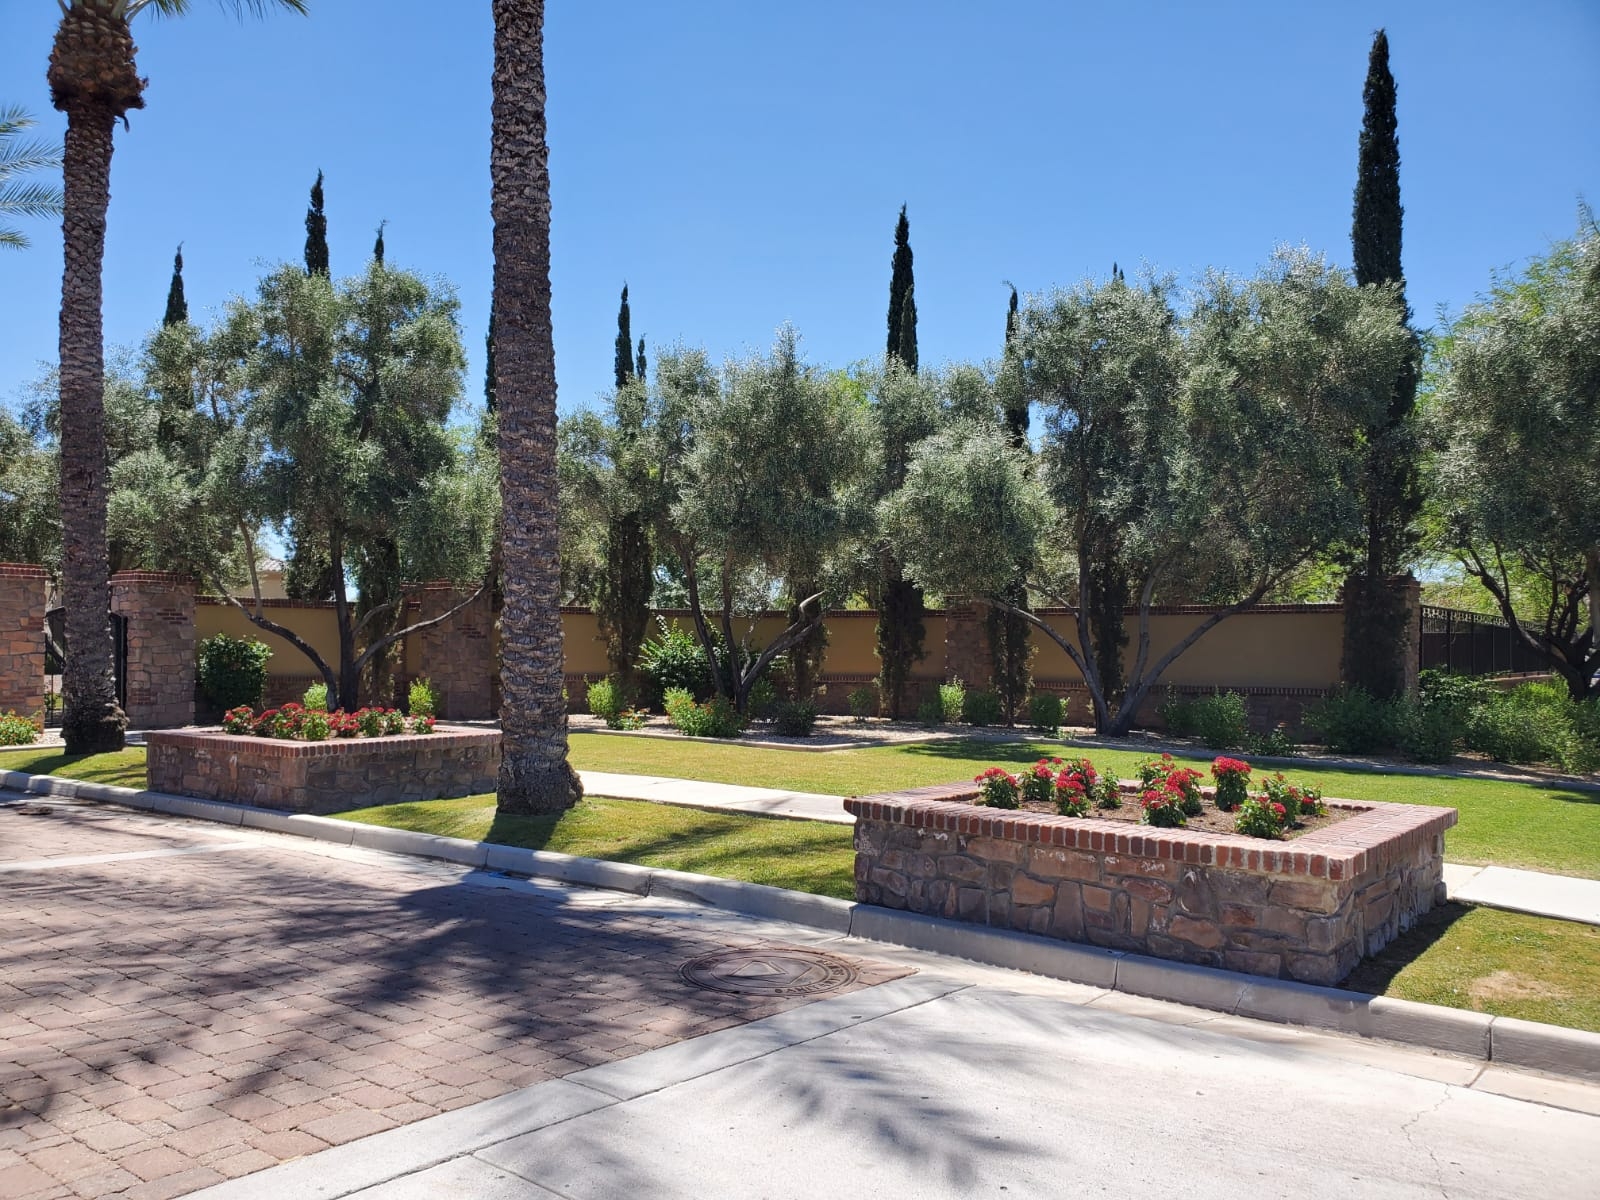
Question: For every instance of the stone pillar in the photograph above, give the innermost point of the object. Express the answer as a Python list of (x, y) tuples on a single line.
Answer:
[(966, 645), (159, 608), (1410, 590), (457, 655), (22, 609), (1403, 603)]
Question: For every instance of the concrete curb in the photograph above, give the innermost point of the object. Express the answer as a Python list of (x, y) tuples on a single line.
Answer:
[(1503, 1040)]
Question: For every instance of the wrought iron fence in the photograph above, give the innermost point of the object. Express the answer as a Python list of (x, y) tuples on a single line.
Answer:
[(1469, 643)]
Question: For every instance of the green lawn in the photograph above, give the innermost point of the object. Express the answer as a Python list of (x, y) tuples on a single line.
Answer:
[(806, 856), (125, 768), (1523, 825), (1494, 962)]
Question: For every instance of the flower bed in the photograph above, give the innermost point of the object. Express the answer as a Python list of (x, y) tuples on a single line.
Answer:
[(323, 776), (295, 722), (1308, 909)]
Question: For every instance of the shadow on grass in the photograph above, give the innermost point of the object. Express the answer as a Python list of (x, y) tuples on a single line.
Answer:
[(1575, 797), (1375, 975), (1010, 752), (532, 833)]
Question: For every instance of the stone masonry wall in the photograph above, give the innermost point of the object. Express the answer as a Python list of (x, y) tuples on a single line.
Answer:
[(323, 777), (1308, 909), (458, 655), (22, 609), (161, 646)]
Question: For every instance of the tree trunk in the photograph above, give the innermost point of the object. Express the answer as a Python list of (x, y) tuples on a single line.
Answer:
[(91, 720), (535, 776)]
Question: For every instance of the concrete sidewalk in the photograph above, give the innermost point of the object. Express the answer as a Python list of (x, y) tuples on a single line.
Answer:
[(1560, 896)]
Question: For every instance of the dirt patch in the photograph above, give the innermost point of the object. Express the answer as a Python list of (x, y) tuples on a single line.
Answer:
[(1508, 985)]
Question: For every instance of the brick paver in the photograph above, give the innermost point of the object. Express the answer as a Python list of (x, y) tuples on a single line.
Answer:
[(168, 1022)]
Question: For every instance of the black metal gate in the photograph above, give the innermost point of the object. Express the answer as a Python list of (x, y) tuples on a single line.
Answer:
[(1469, 643), (55, 648)]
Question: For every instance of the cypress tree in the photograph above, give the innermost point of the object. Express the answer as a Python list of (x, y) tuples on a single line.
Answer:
[(377, 246), (639, 362), (900, 629), (624, 356), (177, 306), (490, 403), (1010, 652), (902, 306), (1375, 615), (316, 233)]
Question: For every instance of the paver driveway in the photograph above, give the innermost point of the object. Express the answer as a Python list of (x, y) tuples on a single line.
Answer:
[(180, 1005)]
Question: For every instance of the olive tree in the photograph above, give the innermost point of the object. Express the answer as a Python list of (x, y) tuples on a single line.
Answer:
[(770, 494), (1516, 410), (1217, 448)]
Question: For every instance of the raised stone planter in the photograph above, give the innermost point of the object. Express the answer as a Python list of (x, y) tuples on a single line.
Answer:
[(1306, 909), (322, 777)]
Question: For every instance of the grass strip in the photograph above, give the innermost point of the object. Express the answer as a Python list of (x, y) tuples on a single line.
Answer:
[(804, 856)]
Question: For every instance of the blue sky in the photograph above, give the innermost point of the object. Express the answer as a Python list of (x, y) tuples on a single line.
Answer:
[(741, 164)]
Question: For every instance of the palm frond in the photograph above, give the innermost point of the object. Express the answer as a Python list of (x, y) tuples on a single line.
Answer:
[(31, 200), (10, 237), (176, 8), (29, 156)]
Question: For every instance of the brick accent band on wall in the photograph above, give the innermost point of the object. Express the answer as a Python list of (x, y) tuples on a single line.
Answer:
[(1308, 909)]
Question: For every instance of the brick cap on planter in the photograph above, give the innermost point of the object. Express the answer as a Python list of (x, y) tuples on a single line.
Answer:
[(21, 571), (1334, 852), (168, 577), (443, 737)]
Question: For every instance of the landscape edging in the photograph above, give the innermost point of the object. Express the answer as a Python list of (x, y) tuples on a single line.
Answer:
[(1553, 1049)]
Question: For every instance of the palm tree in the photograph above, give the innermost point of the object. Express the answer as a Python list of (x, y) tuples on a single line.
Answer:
[(535, 776), (19, 158), (94, 81)]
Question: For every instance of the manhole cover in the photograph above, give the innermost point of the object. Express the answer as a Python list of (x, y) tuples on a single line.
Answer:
[(768, 972)]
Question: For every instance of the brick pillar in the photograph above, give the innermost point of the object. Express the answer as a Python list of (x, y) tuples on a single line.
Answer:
[(22, 609), (1405, 598), (161, 663), (966, 645), (1410, 589), (457, 655)]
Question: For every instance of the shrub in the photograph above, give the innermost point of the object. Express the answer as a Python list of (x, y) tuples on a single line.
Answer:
[(1039, 784), (982, 708), (1509, 730), (1220, 721), (794, 718), (673, 660), (17, 730), (863, 703), (1165, 775), (1427, 733), (1233, 782), (316, 698), (999, 788), (763, 702), (314, 725), (1277, 742), (605, 701), (370, 722), (1078, 786), (394, 721), (421, 723), (233, 671), (239, 720), (422, 699), (1177, 714), (1259, 817), (1162, 807), (631, 718), (1353, 722), (1046, 712), (930, 711), (952, 700), (716, 718)]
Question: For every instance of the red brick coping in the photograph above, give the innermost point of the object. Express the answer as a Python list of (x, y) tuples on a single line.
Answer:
[(1307, 909), (323, 777)]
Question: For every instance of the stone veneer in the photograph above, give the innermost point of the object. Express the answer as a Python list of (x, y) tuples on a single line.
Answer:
[(22, 609), (323, 777), (1305, 909), (161, 646), (458, 655)]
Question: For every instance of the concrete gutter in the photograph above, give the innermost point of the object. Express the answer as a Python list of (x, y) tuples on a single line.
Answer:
[(1501, 1040)]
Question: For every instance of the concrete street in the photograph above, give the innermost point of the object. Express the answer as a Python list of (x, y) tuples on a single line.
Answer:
[(232, 1014)]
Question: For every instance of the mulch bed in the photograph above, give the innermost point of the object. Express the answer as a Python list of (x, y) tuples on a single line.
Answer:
[(1210, 820)]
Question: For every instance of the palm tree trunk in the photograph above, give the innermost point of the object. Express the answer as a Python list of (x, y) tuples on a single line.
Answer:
[(535, 776), (91, 720)]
